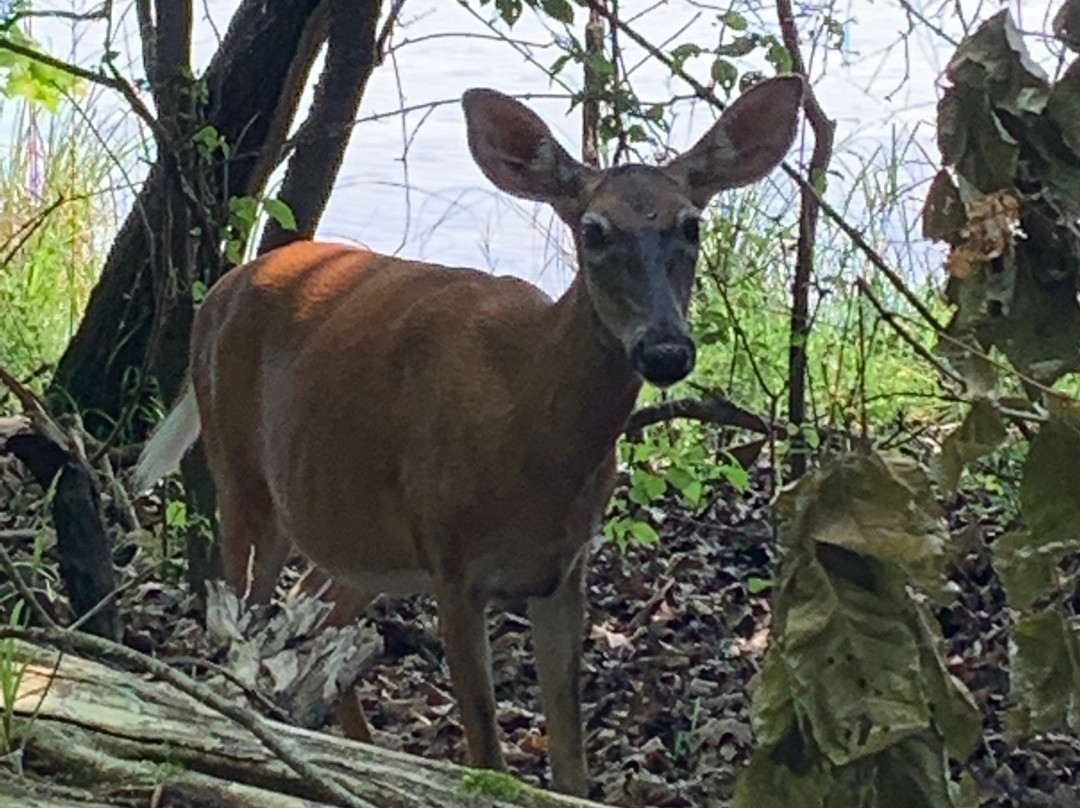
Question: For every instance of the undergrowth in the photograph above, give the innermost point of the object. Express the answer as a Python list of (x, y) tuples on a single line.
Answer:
[(57, 217)]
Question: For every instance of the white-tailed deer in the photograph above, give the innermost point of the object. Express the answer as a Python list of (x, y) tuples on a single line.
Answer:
[(411, 427)]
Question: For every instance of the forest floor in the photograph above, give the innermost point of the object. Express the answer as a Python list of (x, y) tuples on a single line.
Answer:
[(676, 632)]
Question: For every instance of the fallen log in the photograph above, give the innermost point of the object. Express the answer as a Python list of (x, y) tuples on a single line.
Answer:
[(91, 735)]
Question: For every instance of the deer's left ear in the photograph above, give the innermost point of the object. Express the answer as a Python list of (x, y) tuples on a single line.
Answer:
[(749, 140)]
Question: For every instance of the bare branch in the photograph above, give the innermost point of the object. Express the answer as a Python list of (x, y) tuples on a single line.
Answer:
[(714, 411)]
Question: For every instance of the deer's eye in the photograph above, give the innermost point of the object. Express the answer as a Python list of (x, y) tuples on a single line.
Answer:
[(691, 229), (593, 236)]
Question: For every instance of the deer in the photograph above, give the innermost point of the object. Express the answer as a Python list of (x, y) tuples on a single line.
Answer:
[(410, 427)]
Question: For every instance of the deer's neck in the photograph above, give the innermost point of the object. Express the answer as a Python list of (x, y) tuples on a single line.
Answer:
[(583, 387)]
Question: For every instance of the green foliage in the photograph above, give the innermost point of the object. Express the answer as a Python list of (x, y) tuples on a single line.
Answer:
[(981, 432), (27, 78), (679, 460), (55, 219), (244, 212), (13, 666), (499, 785), (1044, 645), (854, 704)]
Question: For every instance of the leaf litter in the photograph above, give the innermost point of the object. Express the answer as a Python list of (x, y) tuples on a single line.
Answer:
[(676, 632)]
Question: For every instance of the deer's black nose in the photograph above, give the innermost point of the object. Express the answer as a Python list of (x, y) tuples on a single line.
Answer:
[(665, 362)]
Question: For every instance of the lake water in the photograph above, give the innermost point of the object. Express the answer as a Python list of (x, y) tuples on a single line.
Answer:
[(408, 185)]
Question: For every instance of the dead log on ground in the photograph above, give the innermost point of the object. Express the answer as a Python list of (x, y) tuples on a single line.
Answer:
[(125, 740)]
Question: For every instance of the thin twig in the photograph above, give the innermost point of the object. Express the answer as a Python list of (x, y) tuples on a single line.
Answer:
[(809, 208), (108, 599), (888, 317), (19, 535), (25, 592)]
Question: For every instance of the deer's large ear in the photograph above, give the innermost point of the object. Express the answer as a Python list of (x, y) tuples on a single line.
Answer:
[(749, 140), (518, 153)]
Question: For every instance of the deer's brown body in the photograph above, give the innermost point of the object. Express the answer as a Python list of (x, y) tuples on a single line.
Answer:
[(411, 427), (378, 489)]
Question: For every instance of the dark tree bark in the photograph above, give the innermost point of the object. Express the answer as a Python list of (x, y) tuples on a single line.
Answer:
[(139, 315), (321, 140)]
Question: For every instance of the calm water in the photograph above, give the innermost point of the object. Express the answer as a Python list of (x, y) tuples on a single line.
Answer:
[(408, 185)]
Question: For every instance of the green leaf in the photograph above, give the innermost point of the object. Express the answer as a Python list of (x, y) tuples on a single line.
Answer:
[(683, 52), (779, 57), (280, 212), (652, 485), (198, 291), (736, 475), (738, 47), (644, 533), (724, 73), (681, 477), (756, 585), (509, 10), (981, 432), (558, 65), (692, 493), (733, 20), (176, 514), (233, 250), (244, 209), (559, 10)]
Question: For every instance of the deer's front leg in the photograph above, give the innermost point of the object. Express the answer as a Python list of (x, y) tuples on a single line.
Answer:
[(464, 631), (557, 628)]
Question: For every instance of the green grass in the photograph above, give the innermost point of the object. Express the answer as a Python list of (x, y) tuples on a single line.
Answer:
[(56, 216)]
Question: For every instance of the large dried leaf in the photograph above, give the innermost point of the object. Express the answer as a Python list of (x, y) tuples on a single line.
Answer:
[(852, 662), (971, 137), (954, 709), (1027, 568), (769, 783), (981, 432), (1050, 489), (943, 214), (1044, 651), (1067, 24), (772, 713), (1003, 128), (870, 505), (853, 700), (995, 62)]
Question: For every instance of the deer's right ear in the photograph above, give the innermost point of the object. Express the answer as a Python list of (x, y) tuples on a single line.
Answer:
[(518, 153)]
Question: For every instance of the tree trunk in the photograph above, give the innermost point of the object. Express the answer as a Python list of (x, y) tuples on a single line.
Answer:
[(129, 740), (139, 315), (320, 141)]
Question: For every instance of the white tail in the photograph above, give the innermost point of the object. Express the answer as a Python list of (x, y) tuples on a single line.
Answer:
[(170, 441), (407, 425)]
